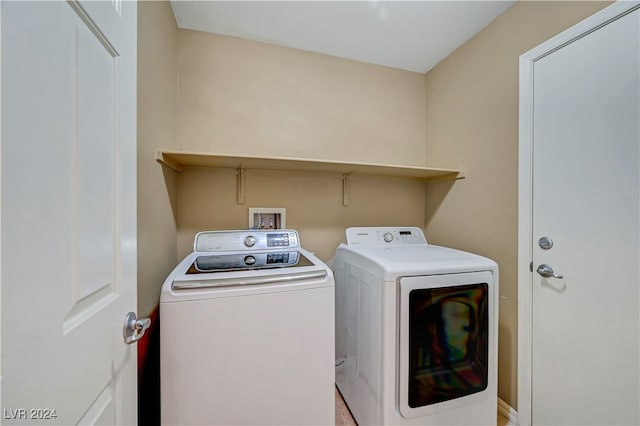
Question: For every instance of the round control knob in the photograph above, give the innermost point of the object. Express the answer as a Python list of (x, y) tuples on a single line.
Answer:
[(250, 241), (388, 237), (249, 260)]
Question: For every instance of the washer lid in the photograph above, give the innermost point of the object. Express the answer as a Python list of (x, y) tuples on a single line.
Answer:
[(212, 263), (235, 269), (250, 279)]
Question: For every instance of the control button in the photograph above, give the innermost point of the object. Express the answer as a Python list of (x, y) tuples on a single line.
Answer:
[(388, 237), (249, 260), (250, 241)]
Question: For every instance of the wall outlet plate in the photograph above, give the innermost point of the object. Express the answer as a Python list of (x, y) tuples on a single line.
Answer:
[(267, 218)]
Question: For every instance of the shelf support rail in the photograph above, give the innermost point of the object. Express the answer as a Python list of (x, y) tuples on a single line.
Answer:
[(345, 189), (241, 175)]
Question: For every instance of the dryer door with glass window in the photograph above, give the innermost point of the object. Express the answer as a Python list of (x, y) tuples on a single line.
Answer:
[(445, 341)]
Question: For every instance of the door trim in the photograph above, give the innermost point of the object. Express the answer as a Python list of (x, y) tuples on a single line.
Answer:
[(525, 188), (1, 189)]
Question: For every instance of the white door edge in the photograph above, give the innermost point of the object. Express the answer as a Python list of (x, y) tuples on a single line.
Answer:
[(525, 182), (0, 198)]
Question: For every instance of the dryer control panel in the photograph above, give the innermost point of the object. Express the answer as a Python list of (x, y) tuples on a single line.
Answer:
[(382, 236), (210, 241)]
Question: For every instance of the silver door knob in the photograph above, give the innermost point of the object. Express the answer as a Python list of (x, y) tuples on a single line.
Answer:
[(133, 328), (547, 272)]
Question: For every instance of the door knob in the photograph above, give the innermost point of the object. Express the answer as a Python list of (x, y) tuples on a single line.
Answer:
[(133, 328), (547, 271)]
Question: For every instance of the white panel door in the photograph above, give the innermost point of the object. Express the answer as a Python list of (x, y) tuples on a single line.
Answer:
[(586, 161), (68, 212)]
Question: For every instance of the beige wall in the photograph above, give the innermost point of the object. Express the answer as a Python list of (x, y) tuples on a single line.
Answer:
[(472, 123), (207, 200), (243, 97), (157, 128)]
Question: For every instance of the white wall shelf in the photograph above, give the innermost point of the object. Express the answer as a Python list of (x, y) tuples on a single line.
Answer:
[(178, 160)]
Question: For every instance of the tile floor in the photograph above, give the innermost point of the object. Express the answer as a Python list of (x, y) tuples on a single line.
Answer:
[(503, 421), (344, 417)]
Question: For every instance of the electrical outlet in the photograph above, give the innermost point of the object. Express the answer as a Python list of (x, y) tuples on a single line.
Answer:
[(267, 218)]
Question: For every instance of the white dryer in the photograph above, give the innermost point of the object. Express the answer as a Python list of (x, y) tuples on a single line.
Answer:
[(416, 330), (247, 333)]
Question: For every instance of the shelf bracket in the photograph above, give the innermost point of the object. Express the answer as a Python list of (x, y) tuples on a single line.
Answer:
[(241, 184), (448, 177), (345, 189), (162, 159)]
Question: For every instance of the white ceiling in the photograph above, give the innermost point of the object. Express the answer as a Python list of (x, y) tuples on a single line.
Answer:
[(411, 35)]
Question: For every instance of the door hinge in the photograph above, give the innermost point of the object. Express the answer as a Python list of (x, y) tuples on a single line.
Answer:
[(531, 267)]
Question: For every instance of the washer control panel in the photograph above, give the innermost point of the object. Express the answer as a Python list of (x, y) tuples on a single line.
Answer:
[(231, 262), (246, 240), (385, 236)]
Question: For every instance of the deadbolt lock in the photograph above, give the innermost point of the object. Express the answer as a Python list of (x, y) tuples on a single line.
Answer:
[(545, 243)]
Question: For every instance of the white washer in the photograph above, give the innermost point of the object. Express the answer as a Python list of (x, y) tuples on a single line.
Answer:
[(247, 333), (416, 330)]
